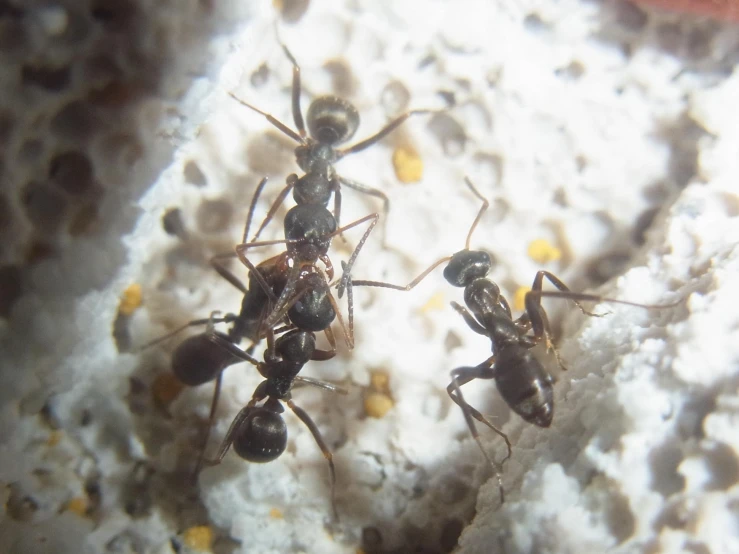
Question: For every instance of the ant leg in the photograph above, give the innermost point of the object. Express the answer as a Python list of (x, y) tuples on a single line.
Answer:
[(320, 355), (232, 349), (297, 113), (305, 418), (228, 439), (228, 318), (348, 266), (215, 263), (274, 121), (386, 130), (211, 418), (331, 387), (290, 183), (347, 331), (462, 376), (406, 288), (377, 193), (252, 207), (470, 320), (539, 282)]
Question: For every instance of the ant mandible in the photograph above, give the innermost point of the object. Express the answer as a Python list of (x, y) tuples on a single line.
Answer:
[(523, 382)]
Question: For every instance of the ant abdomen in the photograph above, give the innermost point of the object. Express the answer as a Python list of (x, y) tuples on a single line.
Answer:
[(525, 385), (466, 266), (198, 359), (332, 120), (262, 437)]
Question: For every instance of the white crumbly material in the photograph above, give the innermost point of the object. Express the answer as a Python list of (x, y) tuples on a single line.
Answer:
[(577, 119)]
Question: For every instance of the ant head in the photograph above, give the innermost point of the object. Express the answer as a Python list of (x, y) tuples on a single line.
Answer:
[(313, 311), (309, 227), (466, 266), (198, 360), (261, 437), (332, 120), (296, 346)]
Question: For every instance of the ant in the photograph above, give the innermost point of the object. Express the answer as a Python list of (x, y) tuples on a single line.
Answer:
[(331, 121), (258, 433), (523, 382), (304, 295)]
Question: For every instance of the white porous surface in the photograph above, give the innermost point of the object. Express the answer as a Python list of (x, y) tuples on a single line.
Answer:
[(609, 131)]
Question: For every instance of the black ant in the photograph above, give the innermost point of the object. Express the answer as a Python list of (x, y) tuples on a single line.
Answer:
[(258, 432), (331, 121), (305, 296), (523, 382)]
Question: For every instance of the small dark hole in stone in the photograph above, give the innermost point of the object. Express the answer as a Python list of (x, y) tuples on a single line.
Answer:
[(116, 14), (371, 539), (630, 16), (75, 121), (602, 269), (260, 76), (173, 224), (72, 172), (45, 207), (643, 223), (38, 252), (48, 78), (194, 175), (292, 10), (11, 288), (450, 534), (214, 216), (84, 221), (534, 22)]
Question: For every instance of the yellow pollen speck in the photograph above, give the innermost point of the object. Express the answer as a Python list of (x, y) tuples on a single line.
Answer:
[(543, 252), (276, 513), (408, 164), (198, 538), (519, 297), (166, 388), (436, 302), (54, 438), (377, 404), (380, 381), (77, 505), (131, 300)]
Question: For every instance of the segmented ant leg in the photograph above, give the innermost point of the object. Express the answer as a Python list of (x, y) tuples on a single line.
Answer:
[(211, 418), (406, 288), (305, 418), (241, 248), (290, 183), (228, 318), (377, 193), (347, 331), (297, 113), (462, 376), (348, 266), (386, 130), (320, 355), (539, 282), (331, 387), (469, 319), (274, 121), (215, 263), (228, 439), (253, 207)]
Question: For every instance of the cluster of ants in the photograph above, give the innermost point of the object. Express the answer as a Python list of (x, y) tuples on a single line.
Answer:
[(289, 299)]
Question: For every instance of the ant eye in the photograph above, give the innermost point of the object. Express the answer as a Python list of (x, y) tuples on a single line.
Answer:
[(332, 120)]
